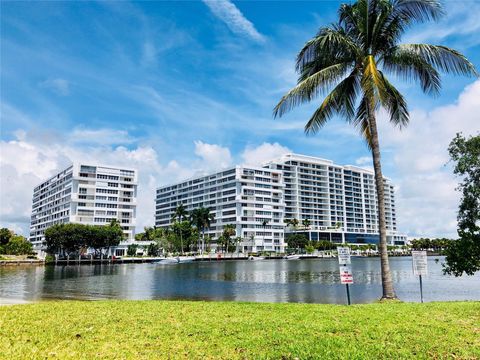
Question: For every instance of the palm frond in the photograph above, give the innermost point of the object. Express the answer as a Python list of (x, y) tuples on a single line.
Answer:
[(398, 15), (409, 66), (309, 88), (440, 57), (341, 100), (330, 46), (419, 11), (395, 104)]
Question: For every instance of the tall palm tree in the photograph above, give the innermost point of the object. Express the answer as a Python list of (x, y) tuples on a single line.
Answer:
[(196, 219), (264, 224), (349, 61), (179, 215), (202, 219)]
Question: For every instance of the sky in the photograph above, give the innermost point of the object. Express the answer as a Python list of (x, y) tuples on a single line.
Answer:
[(180, 88)]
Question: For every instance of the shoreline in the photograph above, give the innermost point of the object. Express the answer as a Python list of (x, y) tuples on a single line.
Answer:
[(138, 260)]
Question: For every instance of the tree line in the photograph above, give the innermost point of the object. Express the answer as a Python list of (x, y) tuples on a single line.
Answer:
[(187, 233), (431, 244), (70, 238)]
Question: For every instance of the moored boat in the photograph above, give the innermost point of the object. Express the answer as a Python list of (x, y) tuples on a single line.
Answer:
[(293, 257)]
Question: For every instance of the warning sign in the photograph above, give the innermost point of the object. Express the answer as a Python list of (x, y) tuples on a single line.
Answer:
[(346, 276), (419, 261), (343, 255)]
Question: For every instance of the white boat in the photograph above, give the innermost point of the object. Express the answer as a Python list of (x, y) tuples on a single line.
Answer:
[(185, 259), (293, 257), (255, 258), (177, 260), (169, 260)]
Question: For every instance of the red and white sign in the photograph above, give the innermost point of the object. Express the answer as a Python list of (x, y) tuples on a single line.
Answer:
[(346, 276)]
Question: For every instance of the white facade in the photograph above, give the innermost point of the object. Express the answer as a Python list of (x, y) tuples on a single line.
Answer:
[(243, 196), (86, 194), (339, 201)]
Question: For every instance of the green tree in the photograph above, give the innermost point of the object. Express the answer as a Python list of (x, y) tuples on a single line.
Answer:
[(351, 58), (306, 224), (5, 236), (132, 249), (202, 218), (153, 249), (293, 223), (296, 241), (463, 255), (114, 233), (264, 225), (71, 238), (225, 240), (18, 245), (309, 248), (180, 214), (325, 245)]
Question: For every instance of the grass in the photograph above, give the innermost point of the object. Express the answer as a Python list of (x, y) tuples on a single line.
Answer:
[(230, 330)]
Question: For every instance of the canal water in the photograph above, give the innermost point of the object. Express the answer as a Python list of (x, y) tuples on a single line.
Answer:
[(309, 281)]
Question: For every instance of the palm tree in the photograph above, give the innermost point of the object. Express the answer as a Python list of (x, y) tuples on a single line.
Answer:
[(228, 231), (202, 218), (180, 215), (264, 224), (196, 219), (292, 222), (306, 224), (349, 60)]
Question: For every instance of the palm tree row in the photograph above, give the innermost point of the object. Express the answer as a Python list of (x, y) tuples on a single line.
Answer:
[(184, 225), (349, 62), (201, 218)]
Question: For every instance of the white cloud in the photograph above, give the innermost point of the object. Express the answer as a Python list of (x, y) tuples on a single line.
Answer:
[(28, 160), (364, 160), (427, 199), (226, 11), (263, 153), (460, 20), (214, 157), (58, 86), (100, 136)]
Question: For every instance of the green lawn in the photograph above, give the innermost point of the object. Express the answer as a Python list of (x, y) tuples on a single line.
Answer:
[(229, 330)]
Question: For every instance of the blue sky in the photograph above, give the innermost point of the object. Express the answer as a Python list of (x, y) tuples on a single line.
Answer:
[(174, 88)]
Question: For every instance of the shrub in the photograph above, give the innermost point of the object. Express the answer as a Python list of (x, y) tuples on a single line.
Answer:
[(132, 250)]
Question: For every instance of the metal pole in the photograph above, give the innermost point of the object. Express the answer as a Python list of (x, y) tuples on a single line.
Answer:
[(421, 289), (348, 294)]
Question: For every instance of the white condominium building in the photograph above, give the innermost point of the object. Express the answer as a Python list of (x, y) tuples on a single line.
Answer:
[(86, 194), (250, 198), (339, 202)]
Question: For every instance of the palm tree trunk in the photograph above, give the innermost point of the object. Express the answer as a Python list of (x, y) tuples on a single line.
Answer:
[(181, 241), (387, 284)]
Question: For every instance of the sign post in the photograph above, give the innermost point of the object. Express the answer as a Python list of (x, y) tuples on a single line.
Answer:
[(419, 262), (344, 262)]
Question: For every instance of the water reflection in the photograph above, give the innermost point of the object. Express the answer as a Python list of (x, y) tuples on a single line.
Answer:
[(315, 280)]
